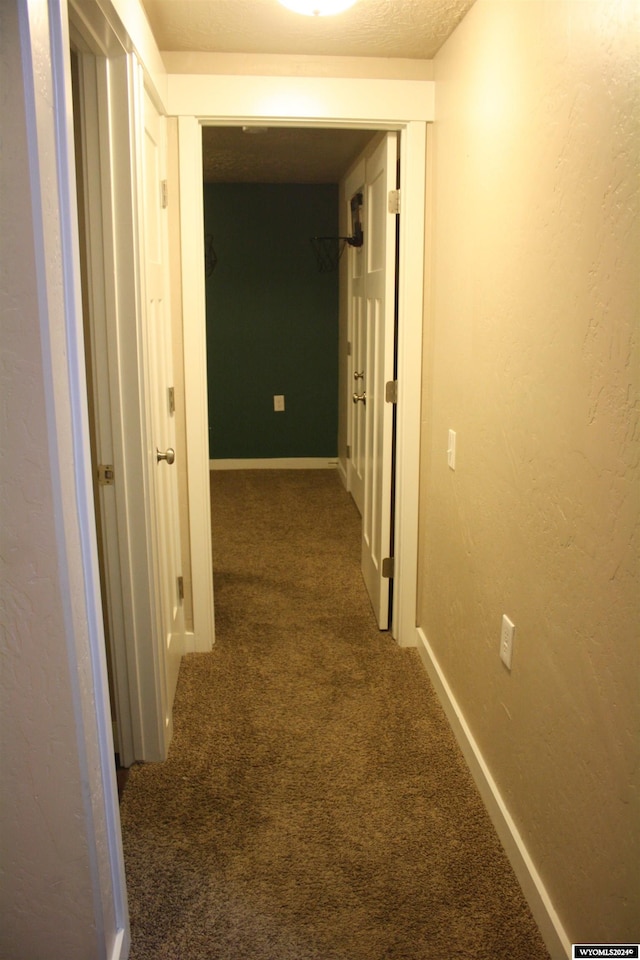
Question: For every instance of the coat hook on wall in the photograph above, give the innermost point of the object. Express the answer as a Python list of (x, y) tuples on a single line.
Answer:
[(210, 256), (328, 250)]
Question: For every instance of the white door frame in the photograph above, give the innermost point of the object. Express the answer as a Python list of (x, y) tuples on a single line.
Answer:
[(95, 78), (158, 365), (132, 580), (406, 106), (379, 294), (195, 382)]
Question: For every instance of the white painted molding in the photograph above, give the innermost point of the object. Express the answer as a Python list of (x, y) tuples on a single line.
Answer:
[(317, 102), (118, 951), (551, 928), (137, 32), (413, 158), (195, 381), (342, 472), (326, 100), (276, 463), (120, 25)]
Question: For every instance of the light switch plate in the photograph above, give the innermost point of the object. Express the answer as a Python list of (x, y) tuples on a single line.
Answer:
[(506, 641), (451, 450)]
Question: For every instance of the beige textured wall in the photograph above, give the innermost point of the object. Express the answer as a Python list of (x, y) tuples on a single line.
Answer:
[(532, 357), (48, 853)]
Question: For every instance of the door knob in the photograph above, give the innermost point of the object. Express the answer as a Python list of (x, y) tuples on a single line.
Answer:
[(358, 376), (169, 456), (359, 398)]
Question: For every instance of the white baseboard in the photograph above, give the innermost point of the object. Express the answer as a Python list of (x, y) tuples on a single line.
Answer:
[(196, 643), (121, 946), (276, 463), (557, 942), (342, 473)]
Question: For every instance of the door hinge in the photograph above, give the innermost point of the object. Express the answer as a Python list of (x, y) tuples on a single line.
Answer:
[(180, 589), (391, 391), (105, 474), (387, 568), (164, 194), (349, 348), (348, 451), (394, 201), (172, 399)]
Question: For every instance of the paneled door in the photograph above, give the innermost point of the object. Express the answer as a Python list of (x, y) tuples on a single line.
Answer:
[(378, 369), (358, 340), (157, 326)]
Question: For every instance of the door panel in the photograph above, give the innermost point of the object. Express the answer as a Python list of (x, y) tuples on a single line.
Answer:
[(357, 384), (379, 281), (160, 374)]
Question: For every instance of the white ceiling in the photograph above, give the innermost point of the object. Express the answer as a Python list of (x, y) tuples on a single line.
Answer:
[(388, 29), (408, 29)]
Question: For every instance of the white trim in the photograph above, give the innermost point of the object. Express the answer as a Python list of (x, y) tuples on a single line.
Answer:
[(140, 36), (342, 472), (537, 896), (93, 125), (282, 99), (138, 437), (119, 103), (343, 103), (156, 710), (121, 942), (275, 463), (413, 164), (127, 30), (195, 382)]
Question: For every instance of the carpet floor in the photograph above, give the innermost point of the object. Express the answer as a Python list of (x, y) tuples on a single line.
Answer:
[(314, 804)]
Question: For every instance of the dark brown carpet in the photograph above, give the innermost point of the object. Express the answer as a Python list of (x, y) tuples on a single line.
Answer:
[(314, 805)]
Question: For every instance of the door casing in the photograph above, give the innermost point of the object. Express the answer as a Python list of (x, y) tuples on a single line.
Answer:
[(310, 102), (113, 81)]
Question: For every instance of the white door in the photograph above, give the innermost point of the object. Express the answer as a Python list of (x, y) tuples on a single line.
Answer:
[(358, 341), (161, 404), (379, 334)]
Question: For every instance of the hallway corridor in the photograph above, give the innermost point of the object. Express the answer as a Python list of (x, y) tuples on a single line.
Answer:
[(314, 805)]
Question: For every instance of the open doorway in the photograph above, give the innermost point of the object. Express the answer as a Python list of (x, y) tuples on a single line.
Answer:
[(272, 326), (276, 314), (268, 191)]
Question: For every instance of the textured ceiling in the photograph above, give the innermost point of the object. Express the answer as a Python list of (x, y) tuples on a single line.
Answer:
[(279, 155), (381, 29), (409, 29)]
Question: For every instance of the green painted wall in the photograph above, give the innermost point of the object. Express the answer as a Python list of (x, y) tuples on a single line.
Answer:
[(272, 321)]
